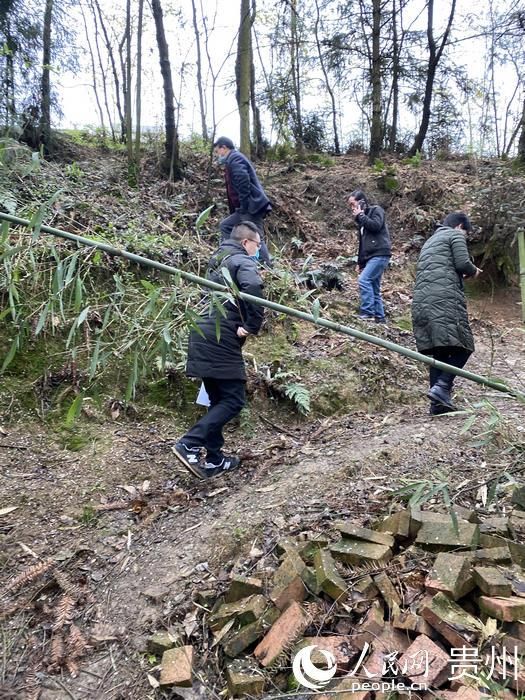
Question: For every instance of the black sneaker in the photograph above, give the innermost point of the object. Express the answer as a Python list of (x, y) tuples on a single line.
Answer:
[(380, 319), (227, 464), (190, 457)]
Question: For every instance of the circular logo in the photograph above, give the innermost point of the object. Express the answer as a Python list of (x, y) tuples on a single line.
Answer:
[(309, 675)]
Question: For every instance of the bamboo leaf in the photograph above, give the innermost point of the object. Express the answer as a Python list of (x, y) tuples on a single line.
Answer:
[(74, 411), (166, 335), (42, 319), (467, 425), (71, 269), (78, 293), (203, 217), (38, 217), (10, 355), (82, 317)]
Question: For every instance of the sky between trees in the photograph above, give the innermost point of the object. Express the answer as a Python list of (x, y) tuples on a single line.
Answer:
[(319, 75)]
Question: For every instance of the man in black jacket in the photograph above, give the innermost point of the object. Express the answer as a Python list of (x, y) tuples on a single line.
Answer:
[(373, 255), (247, 199), (216, 357)]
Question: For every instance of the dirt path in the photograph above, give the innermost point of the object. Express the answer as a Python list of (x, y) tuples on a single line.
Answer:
[(144, 562)]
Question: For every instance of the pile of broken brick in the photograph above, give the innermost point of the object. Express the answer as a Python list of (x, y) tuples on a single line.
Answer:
[(426, 605)]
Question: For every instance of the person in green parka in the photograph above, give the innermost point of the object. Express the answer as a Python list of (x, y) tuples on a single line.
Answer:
[(439, 310)]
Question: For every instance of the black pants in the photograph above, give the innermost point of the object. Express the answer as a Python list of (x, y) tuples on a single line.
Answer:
[(455, 356), (227, 398), (226, 227)]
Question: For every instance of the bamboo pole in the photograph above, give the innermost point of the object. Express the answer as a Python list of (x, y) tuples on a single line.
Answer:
[(521, 250), (325, 323)]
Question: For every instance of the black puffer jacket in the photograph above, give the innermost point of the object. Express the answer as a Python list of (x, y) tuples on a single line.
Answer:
[(221, 358), (439, 309), (374, 238)]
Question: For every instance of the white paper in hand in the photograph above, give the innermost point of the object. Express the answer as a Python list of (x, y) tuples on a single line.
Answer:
[(202, 397)]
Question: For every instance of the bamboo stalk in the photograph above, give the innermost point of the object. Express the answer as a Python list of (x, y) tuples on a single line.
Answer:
[(325, 323)]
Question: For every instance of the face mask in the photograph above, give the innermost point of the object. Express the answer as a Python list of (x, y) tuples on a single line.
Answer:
[(256, 256), (221, 159)]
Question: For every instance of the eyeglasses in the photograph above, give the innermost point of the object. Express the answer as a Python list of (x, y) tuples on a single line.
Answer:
[(252, 240)]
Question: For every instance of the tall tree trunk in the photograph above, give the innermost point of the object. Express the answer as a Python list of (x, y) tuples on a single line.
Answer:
[(296, 77), (200, 88), (129, 133), (376, 128), (243, 71), (171, 165), (93, 66), (327, 83), (45, 95), (138, 104), (257, 138), (392, 136), (103, 75), (521, 142), (116, 80), (434, 55)]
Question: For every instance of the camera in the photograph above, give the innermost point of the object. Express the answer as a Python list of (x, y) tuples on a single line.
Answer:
[(362, 204)]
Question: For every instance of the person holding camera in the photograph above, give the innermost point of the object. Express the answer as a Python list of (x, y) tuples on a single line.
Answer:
[(373, 255)]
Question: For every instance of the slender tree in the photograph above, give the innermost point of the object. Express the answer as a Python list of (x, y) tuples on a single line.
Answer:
[(243, 71), (327, 80), (200, 87), (296, 75), (171, 163), (129, 132), (45, 94), (114, 71), (138, 100), (435, 52), (93, 67), (376, 127)]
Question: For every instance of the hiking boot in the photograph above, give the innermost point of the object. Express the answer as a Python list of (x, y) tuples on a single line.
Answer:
[(440, 393), (190, 458), (223, 466), (438, 409)]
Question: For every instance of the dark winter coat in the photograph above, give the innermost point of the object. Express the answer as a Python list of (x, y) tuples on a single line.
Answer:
[(221, 358), (374, 238), (439, 309), (244, 191)]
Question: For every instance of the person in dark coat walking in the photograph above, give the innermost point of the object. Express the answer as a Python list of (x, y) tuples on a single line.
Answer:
[(373, 255), (216, 357), (247, 199), (439, 310)]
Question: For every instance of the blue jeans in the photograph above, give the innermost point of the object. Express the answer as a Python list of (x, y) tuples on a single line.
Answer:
[(370, 287)]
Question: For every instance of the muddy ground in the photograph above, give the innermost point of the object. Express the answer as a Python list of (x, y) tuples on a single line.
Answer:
[(142, 537), (115, 540)]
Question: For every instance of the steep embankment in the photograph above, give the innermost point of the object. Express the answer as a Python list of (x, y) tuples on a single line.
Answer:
[(130, 538)]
